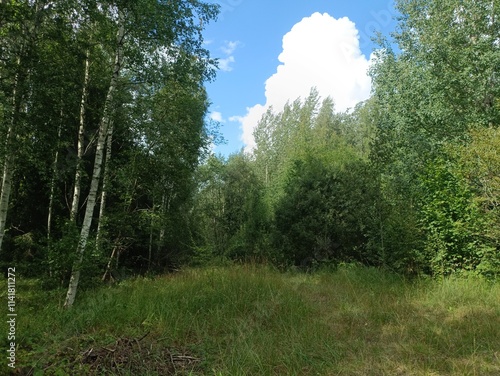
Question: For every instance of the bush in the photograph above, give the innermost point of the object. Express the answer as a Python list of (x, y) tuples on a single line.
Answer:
[(328, 213)]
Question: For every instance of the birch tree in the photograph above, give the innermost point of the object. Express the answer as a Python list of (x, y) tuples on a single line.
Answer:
[(96, 174), (150, 33), (75, 202)]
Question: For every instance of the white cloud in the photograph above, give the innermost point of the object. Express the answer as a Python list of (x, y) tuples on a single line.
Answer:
[(235, 118), (319, 51), (216, 116), (225, 64), (228, 49)]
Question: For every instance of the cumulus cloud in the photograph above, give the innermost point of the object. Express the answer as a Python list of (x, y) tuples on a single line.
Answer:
[(319, 51)]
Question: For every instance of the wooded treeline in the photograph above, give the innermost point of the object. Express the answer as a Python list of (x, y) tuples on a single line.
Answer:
[(106, 165), (102, 113), (408, 180)]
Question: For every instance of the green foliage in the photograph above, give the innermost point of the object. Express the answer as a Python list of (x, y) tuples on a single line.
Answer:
[(427, 97), (480, 164), (401, 237), (27, 252), (450, 219), (230, 210), (327, 213), (158, 116), (246, 213), (55, 267), (211, 238), (306, 195), (456, 44)]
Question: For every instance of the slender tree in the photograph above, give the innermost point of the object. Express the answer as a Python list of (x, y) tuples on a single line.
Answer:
[(155, 40), (96, 174), (75, 202)]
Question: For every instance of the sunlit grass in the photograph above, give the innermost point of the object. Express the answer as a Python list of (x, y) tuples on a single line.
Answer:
[(250, 320)]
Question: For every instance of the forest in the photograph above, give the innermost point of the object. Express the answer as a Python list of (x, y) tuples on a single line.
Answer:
[(108, 174), (107, 169)]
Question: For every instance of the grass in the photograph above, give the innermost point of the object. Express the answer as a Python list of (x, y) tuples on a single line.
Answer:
[(250, 320)]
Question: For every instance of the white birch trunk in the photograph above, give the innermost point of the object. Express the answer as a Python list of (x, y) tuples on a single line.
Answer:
[(108, 266), (150, 246), (53, 181), (164, 208), (8, 164), (105, 183), (96, 174), (81, 133), (8, 172)]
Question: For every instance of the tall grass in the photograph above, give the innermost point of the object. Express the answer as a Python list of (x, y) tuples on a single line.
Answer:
[(250, 320)]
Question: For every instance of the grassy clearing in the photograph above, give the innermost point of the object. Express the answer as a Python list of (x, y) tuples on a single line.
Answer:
[(248, 320)]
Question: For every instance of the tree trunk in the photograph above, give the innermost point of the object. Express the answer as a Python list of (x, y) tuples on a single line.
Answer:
[(53, 180), (81, 133), (150, 246), (96, 174), (8, 172), (108, 266), (8, 165), (105, 184), (165, 207)]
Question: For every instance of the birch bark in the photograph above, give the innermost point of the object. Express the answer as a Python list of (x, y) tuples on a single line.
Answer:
[(8, 172), (81, 132), (96, 174), (54, 178), (105, 184), (8, 164)]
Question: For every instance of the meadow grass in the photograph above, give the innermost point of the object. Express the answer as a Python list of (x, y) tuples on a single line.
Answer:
[(252, 320)]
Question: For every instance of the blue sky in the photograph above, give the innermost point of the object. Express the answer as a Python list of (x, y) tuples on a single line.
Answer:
[(275, 50)]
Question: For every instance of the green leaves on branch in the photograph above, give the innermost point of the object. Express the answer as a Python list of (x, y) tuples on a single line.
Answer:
[(450, 219)]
